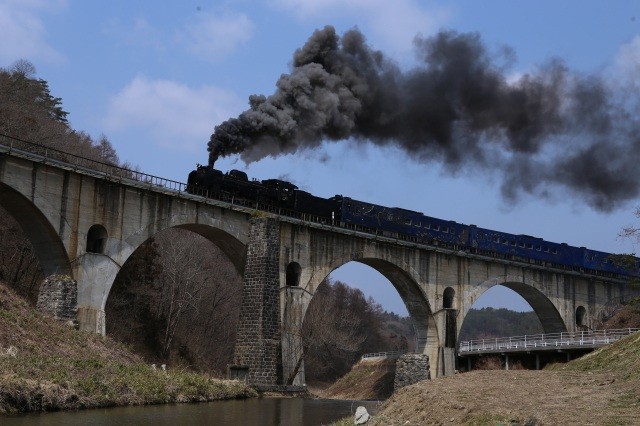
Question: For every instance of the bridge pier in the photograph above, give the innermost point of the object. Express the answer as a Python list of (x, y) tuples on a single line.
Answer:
[(95, 274), (446, 324), (258, 345)]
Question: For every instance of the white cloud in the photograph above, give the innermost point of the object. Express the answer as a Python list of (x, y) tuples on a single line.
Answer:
[(623, 75), (393, 24), (210, 36), (170, 113), (627, 61), (23, 32)]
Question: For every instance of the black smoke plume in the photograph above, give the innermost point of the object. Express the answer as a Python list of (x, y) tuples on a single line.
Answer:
[(542, 130)]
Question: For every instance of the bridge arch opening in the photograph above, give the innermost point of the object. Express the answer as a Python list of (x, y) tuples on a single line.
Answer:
[(96, 239), (19, 266), (44, 241), (499, 312), (369, 305), (293, 274), (177, 301)]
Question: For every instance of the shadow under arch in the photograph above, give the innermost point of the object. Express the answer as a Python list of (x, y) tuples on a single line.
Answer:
[(548, 314), (136, 307), (235, 249), (46, 241)]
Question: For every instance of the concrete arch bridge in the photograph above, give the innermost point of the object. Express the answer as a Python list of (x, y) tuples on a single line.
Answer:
[(85, 219)]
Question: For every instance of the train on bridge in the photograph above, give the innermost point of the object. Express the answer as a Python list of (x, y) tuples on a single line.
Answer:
[(404, 224)]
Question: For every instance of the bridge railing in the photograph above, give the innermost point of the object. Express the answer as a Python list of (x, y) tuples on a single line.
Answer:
[(389, 354), (589, 338), (47, 155)]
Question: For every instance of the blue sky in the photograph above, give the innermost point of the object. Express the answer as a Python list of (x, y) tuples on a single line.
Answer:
[(156, 77)]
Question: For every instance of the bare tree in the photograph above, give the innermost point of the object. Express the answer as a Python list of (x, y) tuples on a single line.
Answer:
[(632, 231), (181, 284), (184, 309), (339, 325)]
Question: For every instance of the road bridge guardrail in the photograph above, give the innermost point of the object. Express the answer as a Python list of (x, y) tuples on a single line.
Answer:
[(577, 339), (382, 355)]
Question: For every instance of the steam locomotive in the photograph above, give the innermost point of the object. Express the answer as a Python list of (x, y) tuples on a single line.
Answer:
[(394, 222)]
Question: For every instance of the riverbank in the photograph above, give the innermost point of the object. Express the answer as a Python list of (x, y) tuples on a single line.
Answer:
[(46, 365)]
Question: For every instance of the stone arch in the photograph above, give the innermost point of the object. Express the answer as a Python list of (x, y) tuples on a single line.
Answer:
[(547, 312), (225, 241), (118, 254), (44, 238), (233, 248), (402, 277)]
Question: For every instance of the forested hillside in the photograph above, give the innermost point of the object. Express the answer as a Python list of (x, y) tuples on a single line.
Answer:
[(29, 113), (490, 322), (341, 325)]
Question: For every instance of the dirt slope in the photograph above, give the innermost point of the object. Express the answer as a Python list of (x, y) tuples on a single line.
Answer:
[(602, 388), (370, 380)]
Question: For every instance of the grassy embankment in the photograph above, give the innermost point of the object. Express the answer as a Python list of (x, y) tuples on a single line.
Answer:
[(601, 388), (46, 365)]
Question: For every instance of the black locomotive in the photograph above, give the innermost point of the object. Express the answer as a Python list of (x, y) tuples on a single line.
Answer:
[(287, 199)]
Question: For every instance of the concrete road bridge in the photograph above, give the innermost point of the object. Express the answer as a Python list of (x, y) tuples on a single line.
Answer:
[(85, 219)]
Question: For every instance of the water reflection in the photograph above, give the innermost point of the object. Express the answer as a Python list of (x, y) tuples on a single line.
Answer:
[(263, 412)]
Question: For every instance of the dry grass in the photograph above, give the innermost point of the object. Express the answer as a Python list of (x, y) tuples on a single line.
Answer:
[(602, 388), (370, 380), (46, 365)]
